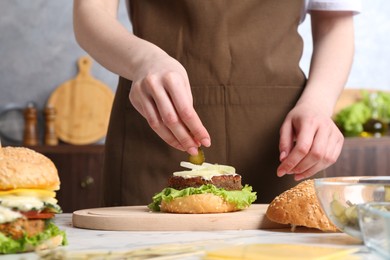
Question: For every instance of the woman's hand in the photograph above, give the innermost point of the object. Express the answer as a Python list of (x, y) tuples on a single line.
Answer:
[(309, 142), (161, 93), (309, 139)]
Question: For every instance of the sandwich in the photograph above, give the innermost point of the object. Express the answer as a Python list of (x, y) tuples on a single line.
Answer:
[(299, 206), (28, 181), (205, 188)]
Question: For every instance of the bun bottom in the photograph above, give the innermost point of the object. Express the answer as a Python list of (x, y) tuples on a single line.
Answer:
[(198, 204)]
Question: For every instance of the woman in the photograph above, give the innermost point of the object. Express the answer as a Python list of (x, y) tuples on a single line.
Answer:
[(221, 72)]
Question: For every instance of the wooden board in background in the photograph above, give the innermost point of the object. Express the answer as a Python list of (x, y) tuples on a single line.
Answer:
[(140, 218), (83, 107)]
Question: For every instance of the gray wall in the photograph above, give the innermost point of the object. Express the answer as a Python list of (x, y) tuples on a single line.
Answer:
[(38, 51)]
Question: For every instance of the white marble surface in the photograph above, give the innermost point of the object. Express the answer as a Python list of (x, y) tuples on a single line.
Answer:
[(81, 240)]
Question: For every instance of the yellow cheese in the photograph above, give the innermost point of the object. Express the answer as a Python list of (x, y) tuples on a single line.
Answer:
[(29, 192), (27, 199), (280, 251)]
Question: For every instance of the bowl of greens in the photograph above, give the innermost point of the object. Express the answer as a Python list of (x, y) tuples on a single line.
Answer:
[(340, 198)]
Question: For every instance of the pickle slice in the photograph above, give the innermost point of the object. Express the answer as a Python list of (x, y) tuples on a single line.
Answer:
[(338, 211), (197, 159), (352, 215)]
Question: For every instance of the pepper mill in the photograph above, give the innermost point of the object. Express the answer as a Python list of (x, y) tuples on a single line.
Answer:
[(30, 136), (50, 133)]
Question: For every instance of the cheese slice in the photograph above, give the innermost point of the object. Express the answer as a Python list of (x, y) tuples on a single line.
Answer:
[(281, 251), (27, 199), (205, 170), (29, 192), (206, 174)]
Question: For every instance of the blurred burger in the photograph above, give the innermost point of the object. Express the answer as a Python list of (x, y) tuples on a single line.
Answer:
[(205, 188), (28, 181)]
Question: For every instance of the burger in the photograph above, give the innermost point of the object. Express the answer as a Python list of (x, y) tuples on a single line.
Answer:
[(205, 188), (28, 181)]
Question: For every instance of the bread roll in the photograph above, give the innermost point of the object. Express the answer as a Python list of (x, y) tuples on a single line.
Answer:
[(299, 206), (198, 204), (24, 168)]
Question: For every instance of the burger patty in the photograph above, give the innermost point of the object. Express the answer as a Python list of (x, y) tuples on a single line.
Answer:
[(227, 182), (21, 226)]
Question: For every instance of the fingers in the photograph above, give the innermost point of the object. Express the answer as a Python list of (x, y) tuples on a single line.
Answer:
[(171, 120), (186, 112), (299, 151), (286, 142), (150, 113), (313, 151), (167, 106), (331, 154)]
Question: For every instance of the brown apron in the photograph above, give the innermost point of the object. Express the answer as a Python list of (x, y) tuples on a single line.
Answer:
[(242, 58)]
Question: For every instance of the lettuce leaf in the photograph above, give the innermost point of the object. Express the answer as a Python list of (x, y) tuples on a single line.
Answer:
[(11, 246), (242, 198), (352, 118)]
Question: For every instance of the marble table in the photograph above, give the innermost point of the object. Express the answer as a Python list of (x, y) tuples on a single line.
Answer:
[(82, 240)]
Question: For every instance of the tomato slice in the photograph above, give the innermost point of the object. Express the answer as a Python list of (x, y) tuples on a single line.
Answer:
[(33, 214)]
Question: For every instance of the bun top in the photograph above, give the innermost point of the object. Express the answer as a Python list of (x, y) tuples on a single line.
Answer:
[(23, 168), (299, 206)]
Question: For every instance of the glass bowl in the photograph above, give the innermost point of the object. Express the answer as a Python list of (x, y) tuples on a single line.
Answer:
[(374, 222), (339, 197)]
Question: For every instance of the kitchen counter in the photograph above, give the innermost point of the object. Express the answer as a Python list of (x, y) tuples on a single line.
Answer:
[(119, 241)]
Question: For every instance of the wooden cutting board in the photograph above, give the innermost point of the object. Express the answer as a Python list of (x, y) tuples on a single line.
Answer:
[(83, 107), (140, 218)]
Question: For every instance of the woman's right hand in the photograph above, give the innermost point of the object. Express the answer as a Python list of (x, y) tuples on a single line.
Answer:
[(161, 93), (161, 90)]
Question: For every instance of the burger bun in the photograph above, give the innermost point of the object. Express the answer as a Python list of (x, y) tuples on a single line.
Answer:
[(299, 206), (23, 168), (198, 204)]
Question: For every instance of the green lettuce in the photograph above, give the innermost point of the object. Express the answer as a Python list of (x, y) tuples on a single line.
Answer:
[(242, 198), (11, 246)]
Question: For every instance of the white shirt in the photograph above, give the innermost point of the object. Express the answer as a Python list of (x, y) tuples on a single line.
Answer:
[(332, 5)]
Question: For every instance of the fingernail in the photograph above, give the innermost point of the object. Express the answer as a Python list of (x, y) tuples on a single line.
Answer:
[(193, 151), (280, 173), (282, 156), (206, 142)]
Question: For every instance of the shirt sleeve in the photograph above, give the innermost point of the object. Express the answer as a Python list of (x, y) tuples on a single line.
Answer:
[(354, 6), (335, 5)]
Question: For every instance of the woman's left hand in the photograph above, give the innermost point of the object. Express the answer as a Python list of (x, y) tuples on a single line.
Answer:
[(309, 142), (309, 139)]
